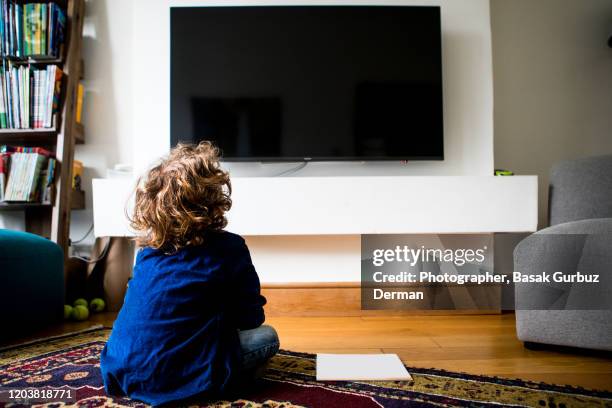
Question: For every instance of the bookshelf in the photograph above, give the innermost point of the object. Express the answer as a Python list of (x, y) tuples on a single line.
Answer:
[(53, 220)]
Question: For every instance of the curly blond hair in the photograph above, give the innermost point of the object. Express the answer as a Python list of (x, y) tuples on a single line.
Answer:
[(182, 198)]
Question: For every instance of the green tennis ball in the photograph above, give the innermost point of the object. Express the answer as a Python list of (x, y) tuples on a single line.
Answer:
[(80, 302), (80, 312), (97, 305), (67, 311)]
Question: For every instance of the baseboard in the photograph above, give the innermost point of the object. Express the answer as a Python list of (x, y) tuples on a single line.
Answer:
[(335, 299)]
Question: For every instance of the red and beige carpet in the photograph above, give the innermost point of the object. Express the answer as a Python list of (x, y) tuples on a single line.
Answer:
[(72, 362)]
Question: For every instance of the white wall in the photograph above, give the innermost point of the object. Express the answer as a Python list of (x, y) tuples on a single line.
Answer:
[(553, 92), (468, 110), (553, 84), (468, 92), (109, 100), (127, 116)]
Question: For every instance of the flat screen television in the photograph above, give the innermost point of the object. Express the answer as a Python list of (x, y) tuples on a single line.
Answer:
[(293, 83)]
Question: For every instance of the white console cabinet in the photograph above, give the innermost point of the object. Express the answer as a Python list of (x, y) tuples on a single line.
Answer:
[(354, 205)]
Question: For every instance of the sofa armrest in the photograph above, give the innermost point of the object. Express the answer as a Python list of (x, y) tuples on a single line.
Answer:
[(577, 246)]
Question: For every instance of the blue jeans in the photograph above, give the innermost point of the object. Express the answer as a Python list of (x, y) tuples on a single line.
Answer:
[(258, 346)]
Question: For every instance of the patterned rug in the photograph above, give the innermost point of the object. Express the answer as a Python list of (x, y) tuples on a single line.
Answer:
[(72, 362)]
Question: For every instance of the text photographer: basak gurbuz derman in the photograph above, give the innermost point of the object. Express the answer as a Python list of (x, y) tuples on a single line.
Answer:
[(483, 278)]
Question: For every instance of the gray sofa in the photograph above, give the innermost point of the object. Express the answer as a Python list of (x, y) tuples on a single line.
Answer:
[(580, 214)]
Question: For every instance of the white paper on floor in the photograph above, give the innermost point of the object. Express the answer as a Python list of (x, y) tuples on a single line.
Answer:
[(360, 367)]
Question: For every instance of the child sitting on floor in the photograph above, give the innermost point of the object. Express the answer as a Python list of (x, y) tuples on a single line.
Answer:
[(191, 323)]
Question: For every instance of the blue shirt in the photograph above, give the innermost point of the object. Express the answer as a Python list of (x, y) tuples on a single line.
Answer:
[(176, 334)]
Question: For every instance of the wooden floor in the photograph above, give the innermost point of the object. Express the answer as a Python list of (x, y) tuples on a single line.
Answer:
[(477, 344)]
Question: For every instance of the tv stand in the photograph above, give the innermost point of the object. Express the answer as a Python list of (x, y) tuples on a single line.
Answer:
[(355, 205), (304, 232), (383, 205)]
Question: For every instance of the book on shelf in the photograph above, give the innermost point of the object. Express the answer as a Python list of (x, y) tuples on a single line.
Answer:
[(77, 175), (31, 29), (79, 103), (30, 96), (27, 174), (4, 157)]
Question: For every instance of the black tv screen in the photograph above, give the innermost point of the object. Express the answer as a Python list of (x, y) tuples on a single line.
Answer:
[(285, 83)]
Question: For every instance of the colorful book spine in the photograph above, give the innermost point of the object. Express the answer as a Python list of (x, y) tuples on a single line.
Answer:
[(47, 190), (26, 96), (79, 103), (37, 150), (7, 101), (59, 27), (27, 175), (14, 97), (11, 32), (43, 28), (37, 29), (2, 50), (31, 29), (18, 30), (55, 82), (13, 178), (29, 97), (44, 77), (34, 78), (4, 21), (50, 28), (3, 116), (4, 157), (22, 80)]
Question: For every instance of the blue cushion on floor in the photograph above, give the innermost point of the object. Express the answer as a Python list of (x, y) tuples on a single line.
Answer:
[(31, 283)]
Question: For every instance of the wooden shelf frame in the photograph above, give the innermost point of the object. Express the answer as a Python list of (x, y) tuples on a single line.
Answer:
[(53, 220), (60, 214)]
